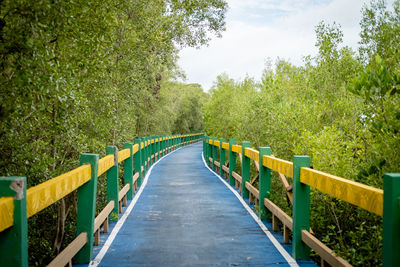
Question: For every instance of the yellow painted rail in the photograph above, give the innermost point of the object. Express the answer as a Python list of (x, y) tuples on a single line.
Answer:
[(225, 145), (216, 143), (135, 149), (105, 164), (124, 154), (363, 196), (6, 212), (48, 192), (237, 149), (279, 165), (252, 153)]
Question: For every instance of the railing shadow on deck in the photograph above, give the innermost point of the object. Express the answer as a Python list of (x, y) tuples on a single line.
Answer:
[(384, 203), (18, 203)]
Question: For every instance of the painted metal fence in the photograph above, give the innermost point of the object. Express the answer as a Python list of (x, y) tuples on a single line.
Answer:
[(18, 203), (384, 203)]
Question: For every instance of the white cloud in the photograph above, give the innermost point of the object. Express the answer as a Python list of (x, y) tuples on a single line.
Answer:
[(258, 29)]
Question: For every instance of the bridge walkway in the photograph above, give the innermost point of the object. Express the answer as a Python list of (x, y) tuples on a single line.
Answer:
[(184, 215)]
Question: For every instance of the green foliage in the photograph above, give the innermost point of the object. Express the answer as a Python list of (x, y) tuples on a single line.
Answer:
[(341, 110), (77, 76)]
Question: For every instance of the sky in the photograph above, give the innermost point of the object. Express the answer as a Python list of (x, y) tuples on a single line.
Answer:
[(260, 29)]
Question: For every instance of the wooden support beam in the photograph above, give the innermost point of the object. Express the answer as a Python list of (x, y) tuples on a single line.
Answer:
[(70, 251), (321, 249), (286, 234), (274, 223), (252, 189), (237, 177)]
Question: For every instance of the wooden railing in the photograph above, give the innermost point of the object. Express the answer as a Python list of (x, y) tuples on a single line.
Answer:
[(384, 203), (17, 203)]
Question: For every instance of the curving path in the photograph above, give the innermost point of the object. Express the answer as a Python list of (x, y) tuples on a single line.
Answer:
[(186, 216)]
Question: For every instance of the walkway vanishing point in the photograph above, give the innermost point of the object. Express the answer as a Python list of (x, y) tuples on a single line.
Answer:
[(185, 215), (172, 208)]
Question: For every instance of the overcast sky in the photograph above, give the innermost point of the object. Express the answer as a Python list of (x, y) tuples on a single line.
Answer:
[(261, 29)]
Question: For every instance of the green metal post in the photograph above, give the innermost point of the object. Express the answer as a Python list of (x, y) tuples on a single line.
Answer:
[(147, 154), (232, 161), (164, 145), (14, 240), (391, 219), (159, 147), (245, 170), (128, 170), (222, 155), (138, 162), (143, 157), (301, 209), (265, 183), (87, 208), (209, 152), (214, 154), (112, 180)]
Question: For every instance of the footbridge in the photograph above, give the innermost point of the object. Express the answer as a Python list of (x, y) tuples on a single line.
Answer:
[(191, 200)]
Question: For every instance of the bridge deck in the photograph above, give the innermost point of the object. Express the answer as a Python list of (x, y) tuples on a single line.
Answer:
[(185, 216)]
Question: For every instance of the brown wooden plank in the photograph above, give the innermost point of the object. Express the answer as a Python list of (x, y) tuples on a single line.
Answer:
[(98, 221), (285, 235), (257, 164), (225, 168), (135, 177), (274, 223), (123, 192), (70, 251), (97, 237), (254, 179), (253, 190), (286, 186), (105, 225), (237, 176), (321, 249), (216, 163), (282, 216)]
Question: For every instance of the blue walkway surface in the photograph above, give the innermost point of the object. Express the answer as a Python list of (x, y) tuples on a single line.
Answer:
[(186, 216)]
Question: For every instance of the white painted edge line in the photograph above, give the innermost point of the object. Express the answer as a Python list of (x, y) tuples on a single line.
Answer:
[(99, 257), (284, 253)]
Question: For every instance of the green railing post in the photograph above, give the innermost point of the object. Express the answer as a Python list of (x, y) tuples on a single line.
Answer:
[(214, 153), (14, 240), (209, 149), (128, 170), (159, 147), (222, 155), (391, 219), (204, 148), (163, 146), (232, 161), (147, 154), (264, 184), (301, 209), (153, 149), (143, 156), (87, 207), (245, 170), (112, 180), (138, 162)]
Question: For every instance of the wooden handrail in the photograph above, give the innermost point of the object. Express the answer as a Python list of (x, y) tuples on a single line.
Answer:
[(321, 249), (237, 176), (70, 251), (253, 190), (123, 192), (98, 221)]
